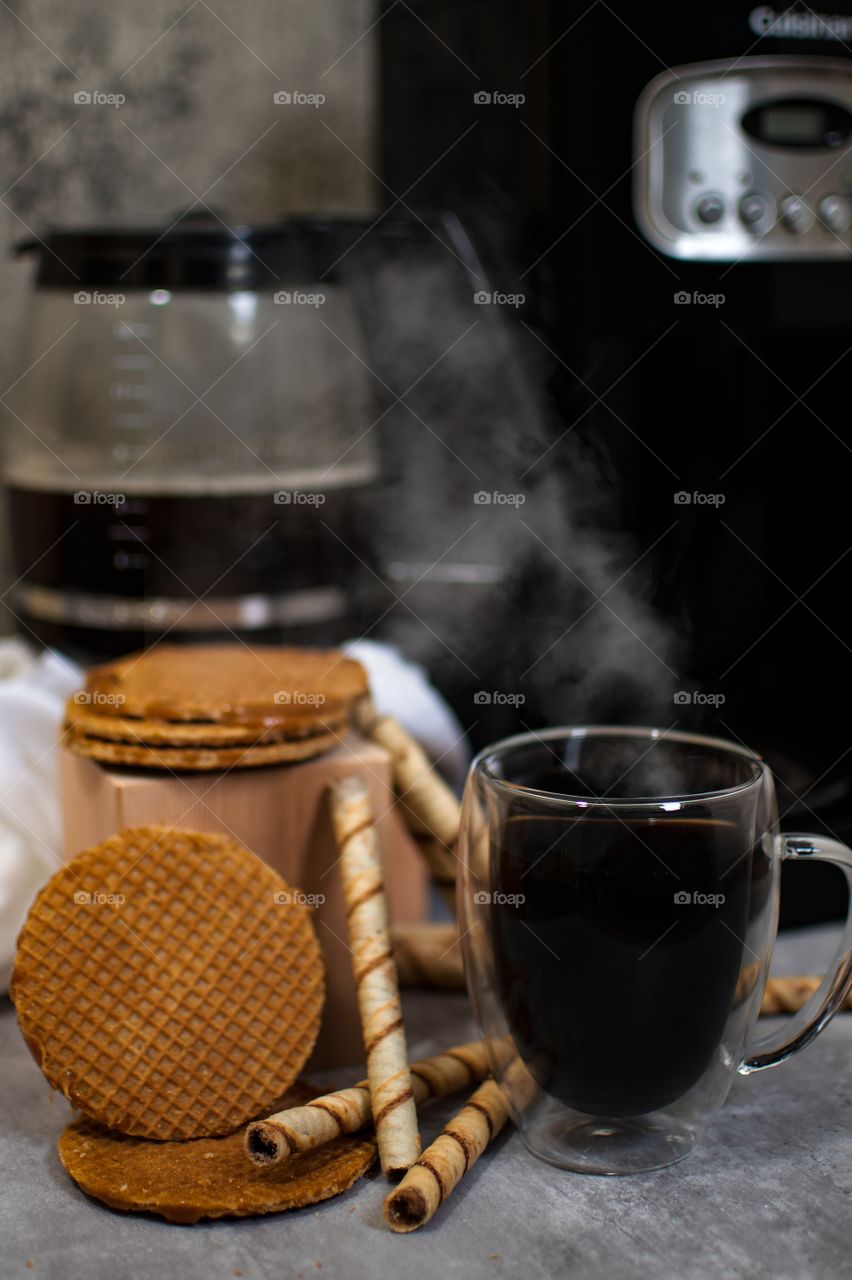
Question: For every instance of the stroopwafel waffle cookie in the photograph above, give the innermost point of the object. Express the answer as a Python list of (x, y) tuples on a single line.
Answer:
[(214, 707), (198, 758), (228, 684), (208, 1177), (169, 983), (189, 734)]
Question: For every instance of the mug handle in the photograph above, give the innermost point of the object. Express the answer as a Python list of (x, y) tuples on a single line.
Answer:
[(806, 1025)]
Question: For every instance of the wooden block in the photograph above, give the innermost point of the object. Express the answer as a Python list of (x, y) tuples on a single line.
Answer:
[(281, 814)]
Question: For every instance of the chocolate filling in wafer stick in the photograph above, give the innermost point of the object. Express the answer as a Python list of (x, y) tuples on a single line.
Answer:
[(324, 1119), (442, 1166), (376, 983)]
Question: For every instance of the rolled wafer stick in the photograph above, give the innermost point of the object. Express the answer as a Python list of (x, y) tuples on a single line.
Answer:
[(324, 1119), (788, 995), (780, 995), (442, 1165), (429, 804), (364, 714), (441, 862), (430, 810), (376, 983), (428, 955), (747, 980)]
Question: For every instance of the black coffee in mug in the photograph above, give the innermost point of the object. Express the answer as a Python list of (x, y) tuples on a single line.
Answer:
[(618, 943)]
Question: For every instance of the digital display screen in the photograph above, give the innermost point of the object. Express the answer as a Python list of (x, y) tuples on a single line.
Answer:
[(799, 122), (797, 126)]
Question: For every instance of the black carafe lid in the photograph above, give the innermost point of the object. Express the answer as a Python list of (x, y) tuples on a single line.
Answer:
[(200, 252)]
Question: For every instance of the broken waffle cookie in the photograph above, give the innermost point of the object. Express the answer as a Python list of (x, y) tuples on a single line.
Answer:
[(207, 1177), (142, 992), (214, 706)]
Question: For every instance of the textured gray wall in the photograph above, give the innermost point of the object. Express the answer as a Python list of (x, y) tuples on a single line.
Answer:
[(199, 81)]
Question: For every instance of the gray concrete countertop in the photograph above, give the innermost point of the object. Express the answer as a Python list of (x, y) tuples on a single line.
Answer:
[(766, 1194)]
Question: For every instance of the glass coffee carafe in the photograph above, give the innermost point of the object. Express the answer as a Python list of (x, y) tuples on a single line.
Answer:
[(188, 447)]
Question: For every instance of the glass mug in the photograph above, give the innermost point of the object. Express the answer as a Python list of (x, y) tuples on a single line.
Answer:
[(618, 899)]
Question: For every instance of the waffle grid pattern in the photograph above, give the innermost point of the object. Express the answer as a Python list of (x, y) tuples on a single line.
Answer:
[(163, 989)]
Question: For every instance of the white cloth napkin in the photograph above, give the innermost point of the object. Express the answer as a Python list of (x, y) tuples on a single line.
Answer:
[(33, 691)]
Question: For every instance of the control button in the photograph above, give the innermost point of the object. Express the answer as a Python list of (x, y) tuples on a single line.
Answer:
[(755, 208), (796, 215), (710, 208), (836, 213)]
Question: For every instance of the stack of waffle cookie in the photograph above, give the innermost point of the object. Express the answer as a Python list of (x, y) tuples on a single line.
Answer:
[(214, 707), (171, 985)]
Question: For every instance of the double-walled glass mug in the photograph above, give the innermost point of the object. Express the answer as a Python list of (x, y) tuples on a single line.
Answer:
[(619, 901)]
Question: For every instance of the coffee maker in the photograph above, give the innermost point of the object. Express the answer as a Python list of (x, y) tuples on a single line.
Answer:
[(673, 195)]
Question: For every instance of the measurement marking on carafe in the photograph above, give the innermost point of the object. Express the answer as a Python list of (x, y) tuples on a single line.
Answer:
[(128, 560), (131, 362), (129, 391), (130, 419), (122, 533)]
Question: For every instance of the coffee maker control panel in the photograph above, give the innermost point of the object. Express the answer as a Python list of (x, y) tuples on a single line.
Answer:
[(749, 159)]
